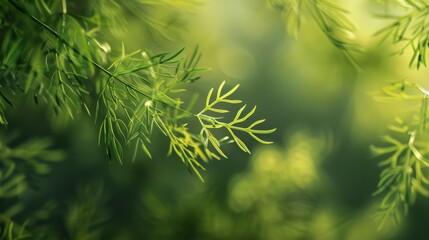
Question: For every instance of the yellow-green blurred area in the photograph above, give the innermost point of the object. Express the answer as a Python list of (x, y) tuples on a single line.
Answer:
[(315, 182)]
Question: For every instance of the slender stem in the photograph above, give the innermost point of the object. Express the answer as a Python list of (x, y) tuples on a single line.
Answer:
[(64, 3)]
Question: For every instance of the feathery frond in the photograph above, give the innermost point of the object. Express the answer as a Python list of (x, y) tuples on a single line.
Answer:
[(331, 18), (209, 122), (409, 30), (403, 155), (70, 67)]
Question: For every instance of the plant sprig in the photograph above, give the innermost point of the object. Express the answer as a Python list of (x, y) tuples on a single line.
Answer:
[(191, 147), (331, 18), (403, 154), (399, 91), (135, 92), (404, 175), (410, 30), (142, 97), (213, 122)]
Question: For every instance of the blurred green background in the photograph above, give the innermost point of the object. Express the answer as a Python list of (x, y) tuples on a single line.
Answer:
[(314, 182)]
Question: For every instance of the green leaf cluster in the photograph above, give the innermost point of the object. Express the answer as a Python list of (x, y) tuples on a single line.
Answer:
[(403, 154), (19, 168), (67, 64), (331, 18), (214, 122), (409, 29)]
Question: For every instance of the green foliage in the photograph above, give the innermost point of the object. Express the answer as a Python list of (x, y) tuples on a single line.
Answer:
[(139, 87), (404, 152), (70, 58), (160, 25), (210, 122), (84, 215), (19, 168), (409, 30), (331, 18), (404, 175), (67, 64), (282, 194)]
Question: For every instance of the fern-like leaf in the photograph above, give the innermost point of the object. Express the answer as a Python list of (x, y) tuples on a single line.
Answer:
[(209, 122), (409, 30), (331, 18)]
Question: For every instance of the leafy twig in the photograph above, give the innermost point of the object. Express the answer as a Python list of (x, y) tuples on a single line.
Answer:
[(410, 30), (331, 18)]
